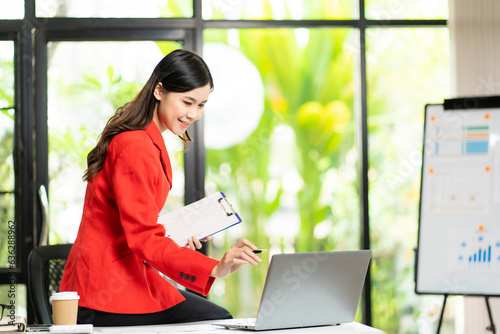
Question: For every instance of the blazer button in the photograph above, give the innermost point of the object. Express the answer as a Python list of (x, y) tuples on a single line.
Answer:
[(181, 275), (193, 279), (186, 276)]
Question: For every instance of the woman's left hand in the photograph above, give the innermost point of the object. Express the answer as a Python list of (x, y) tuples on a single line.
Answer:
[(194, 243)]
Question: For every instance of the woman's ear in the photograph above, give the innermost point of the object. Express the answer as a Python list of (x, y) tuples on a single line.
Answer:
[(158, 91)]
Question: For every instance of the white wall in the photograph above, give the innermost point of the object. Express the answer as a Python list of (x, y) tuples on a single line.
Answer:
[(475, 71)]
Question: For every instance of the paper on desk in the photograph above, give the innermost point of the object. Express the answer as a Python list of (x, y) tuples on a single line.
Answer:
[(9, 325), (160, 329), (202, 218)]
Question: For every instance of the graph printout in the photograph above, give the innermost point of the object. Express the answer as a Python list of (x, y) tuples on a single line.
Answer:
[(203, 218), (459, 229)]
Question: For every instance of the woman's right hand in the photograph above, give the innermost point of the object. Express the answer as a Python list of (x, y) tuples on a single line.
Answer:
[(236, 256)]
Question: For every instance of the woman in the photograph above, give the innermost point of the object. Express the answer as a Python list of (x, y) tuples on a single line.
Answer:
[(120, 246)]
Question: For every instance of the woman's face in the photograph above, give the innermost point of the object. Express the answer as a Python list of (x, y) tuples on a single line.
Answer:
[(177, 111)]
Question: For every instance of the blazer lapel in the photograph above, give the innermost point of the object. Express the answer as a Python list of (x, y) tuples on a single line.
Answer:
[(157, 138)]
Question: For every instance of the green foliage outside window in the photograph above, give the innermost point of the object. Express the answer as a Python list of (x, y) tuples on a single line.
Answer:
[(407, 68), (8, 225), (312, 94), (6, 147), (310, 89), (96, 91)]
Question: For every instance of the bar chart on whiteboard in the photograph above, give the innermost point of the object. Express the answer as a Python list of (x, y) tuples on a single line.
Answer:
[(466, 140), (459, 223), (474, 252)]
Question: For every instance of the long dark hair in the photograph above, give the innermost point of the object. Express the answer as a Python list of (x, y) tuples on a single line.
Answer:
[(179, 71)]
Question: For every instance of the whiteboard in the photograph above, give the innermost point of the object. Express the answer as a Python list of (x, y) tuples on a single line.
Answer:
[(458, 248)]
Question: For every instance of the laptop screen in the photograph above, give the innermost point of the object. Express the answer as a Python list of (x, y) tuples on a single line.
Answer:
[(312, 289)]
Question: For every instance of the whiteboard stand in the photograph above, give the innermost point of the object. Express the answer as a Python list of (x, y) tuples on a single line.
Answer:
[(458, 250), (442, 313), (490, 328)]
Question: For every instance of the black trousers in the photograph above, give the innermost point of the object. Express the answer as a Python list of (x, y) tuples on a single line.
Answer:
[(194, 308)]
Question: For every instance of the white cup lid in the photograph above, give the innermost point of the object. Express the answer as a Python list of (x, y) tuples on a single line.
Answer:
[(65, 295)]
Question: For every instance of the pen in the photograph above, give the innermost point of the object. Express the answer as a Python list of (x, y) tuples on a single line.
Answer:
[(258, 251)]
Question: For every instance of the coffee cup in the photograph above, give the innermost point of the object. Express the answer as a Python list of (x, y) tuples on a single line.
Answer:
[(65, 307)]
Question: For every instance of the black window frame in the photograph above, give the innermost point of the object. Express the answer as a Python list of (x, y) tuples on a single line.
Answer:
[(30, 129), (19, 32)]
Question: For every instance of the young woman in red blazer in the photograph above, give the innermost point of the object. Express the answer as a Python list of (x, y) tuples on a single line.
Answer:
[(120, 247)]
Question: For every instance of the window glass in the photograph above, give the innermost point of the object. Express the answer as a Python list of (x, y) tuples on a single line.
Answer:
[(407, 68), (13, 294), (11, 9), (113, 8), (6, 77), (87, 82), (406, 9), (279, 134), (278, 9), (8, 226)]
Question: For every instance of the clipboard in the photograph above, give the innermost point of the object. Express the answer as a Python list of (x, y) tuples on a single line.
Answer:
[(202, 219)]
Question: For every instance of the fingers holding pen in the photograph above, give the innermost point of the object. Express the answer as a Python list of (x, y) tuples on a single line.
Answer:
[(236, 256), (246, 253), (251, 257), (244, 242)]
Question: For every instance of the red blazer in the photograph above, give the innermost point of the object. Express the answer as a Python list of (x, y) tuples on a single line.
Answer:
[(120, 244)]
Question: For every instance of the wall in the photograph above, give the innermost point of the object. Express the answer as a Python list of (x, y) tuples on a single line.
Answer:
[(475, 71)]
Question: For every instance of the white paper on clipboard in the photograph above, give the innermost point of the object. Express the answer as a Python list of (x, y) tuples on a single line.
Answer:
[(202, 218)]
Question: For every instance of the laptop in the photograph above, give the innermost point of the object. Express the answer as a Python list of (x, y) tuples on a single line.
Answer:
[(309, 289)]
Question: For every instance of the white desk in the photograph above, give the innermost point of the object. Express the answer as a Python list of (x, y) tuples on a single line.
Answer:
[(207, 327)]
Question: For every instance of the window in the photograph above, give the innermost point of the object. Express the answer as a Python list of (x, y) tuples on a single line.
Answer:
[(14, 9), (406, 9), (7, 177), (282, 144), (87, 83), (11, 292), (313, 129), (278, 10), (111, 9), (399, 60)]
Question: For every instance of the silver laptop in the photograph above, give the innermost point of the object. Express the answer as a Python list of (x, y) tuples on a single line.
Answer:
[(309, 289)]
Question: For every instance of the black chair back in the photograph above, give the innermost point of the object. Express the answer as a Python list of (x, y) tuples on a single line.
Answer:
[(45, 269)]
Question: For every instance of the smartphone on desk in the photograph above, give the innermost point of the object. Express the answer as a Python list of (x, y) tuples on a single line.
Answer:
[(38, 328)]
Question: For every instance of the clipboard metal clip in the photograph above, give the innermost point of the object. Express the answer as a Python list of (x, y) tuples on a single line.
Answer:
[(224, 208)]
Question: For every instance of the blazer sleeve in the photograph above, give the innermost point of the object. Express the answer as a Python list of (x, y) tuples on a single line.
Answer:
[(135, 180)]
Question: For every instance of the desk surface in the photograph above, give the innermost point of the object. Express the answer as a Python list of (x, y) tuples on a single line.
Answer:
[(207, 327)]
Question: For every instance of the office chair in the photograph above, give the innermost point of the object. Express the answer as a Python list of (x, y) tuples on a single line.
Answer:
[(45, 269)]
